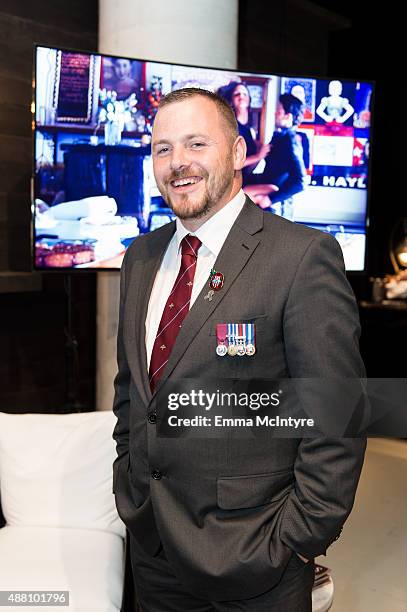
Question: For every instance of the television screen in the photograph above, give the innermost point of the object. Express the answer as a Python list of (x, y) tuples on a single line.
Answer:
[(94, 187)]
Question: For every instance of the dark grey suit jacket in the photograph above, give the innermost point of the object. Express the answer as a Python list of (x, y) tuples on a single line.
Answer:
[(230, 512)]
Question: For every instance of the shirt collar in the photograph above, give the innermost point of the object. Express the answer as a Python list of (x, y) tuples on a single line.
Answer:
[(213, 232)]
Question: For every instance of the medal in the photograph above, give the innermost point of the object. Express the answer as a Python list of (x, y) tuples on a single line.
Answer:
[(231, 335), (221, 350), (250, 346), (216, 280), (250, 349), (221, 332), (241, 340)]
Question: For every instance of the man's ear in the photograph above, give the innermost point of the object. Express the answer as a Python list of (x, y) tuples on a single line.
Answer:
[(239, 153)]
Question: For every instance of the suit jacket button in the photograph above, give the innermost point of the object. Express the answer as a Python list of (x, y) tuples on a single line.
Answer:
[(152, 418), (156, 474)]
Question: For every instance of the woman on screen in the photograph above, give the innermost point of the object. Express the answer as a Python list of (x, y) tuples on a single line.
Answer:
[(120, 78), (238, 96)]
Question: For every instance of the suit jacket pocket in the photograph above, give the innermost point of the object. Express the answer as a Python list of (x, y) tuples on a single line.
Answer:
[(253, 490)]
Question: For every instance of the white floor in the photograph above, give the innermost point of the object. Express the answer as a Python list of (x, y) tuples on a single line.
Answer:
[(369, 561)]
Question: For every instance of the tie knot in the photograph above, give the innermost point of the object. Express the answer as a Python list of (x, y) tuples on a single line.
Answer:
[(190, 245)]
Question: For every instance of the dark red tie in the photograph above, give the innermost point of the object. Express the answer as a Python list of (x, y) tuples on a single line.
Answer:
[(175, 309)]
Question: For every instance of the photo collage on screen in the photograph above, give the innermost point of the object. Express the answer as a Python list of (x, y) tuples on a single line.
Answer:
[(307, 152)]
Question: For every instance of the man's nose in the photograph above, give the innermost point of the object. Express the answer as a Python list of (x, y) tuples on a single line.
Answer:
[(179, 158)]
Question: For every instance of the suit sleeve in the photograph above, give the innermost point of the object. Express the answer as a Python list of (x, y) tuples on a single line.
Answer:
[(121, 400), (321, 334)]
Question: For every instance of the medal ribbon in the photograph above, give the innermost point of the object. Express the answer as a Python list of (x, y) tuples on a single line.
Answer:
[(250, 333), (221, 332)]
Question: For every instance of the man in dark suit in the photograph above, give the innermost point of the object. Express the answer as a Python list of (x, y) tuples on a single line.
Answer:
[(231, 522)]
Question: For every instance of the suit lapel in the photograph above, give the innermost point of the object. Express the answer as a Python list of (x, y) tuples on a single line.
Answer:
[(239, 246), (147, 273)]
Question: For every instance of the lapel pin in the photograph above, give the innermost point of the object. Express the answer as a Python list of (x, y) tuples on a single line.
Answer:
[(216, 280), (209, 295)]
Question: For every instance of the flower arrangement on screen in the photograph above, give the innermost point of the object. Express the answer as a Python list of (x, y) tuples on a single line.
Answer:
[(116, 111)]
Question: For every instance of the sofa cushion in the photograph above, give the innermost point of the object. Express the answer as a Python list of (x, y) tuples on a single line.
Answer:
[(87, 563), (56, 470)]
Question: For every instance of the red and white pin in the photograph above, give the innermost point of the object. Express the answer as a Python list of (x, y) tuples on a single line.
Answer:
[(216, 280)]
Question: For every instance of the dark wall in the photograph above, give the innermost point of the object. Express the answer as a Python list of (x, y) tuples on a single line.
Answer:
[(342, 39), (347, 39), (32, 335), (34, 338), (290, 36), (372, 49)]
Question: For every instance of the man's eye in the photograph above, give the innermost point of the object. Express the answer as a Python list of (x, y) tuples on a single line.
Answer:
[(197, 145), (162, 150)]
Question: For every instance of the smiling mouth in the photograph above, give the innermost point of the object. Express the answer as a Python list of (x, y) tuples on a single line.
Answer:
[(190, 180)]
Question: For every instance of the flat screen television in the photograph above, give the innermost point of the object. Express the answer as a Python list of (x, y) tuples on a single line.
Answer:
[(94, 187)]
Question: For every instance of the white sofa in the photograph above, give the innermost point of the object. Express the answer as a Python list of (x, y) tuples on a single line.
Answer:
[(62, 529)]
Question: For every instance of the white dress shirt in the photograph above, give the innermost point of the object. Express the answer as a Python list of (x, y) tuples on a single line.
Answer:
[(212, 234)]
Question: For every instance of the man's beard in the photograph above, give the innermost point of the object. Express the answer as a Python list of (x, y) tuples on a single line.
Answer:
[(195, 207)]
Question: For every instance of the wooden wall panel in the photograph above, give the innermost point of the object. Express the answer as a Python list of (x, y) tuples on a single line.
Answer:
[(75, 15), (32, 335), (32, 345)]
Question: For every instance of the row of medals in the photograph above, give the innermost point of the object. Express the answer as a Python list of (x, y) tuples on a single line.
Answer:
[(234, 348), (240, 348)]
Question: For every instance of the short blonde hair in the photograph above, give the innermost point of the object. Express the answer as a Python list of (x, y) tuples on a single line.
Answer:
[(225, 110)]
